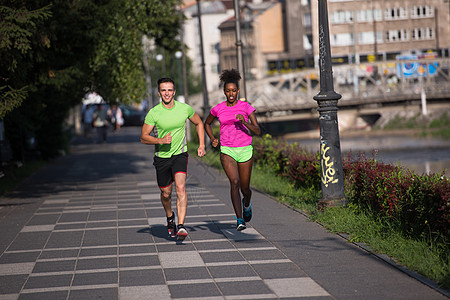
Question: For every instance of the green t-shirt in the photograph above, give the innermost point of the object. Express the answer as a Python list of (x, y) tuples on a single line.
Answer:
[(170, 120)]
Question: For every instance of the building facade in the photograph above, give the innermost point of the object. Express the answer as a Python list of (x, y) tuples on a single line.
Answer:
[(276, 37), (369, 30)]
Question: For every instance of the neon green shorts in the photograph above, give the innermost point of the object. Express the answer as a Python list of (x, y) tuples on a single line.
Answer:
[(239, 154)]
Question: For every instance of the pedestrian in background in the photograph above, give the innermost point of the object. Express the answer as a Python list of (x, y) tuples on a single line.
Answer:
[(117, 117), (171, 157), (101, 121), (237, 124), (88, 114)]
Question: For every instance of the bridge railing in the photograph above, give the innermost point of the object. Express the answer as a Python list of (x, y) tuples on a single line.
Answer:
[(359, 84)]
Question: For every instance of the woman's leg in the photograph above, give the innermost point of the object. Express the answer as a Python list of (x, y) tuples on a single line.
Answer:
[(245, 172), (231, 169)]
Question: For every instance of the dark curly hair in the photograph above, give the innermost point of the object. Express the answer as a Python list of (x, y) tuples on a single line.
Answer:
[(230, 76)]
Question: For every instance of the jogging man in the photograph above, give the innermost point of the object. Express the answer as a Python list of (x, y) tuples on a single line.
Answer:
[(168, 118)]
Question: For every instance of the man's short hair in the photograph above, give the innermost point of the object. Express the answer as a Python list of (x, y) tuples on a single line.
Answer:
[(165, 79)]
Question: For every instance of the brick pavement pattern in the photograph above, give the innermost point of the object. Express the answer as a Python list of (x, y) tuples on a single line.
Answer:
[(90, 225)]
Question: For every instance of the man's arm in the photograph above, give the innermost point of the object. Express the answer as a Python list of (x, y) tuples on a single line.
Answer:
[(147, 139), (195, 119)]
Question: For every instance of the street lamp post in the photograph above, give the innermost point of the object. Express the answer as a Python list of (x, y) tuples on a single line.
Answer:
[(327, 99), (178, 56), (202, 56), (241, 68)]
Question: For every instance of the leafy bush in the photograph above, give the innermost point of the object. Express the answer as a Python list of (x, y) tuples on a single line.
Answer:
[(302, 167), (418, 206)]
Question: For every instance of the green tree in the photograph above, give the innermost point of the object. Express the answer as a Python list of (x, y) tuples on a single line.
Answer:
[(93, 44), (118, 59), (18, 32)]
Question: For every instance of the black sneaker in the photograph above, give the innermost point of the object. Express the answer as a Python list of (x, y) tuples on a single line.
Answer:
[(171, 226), (181, 232), (240, 224)]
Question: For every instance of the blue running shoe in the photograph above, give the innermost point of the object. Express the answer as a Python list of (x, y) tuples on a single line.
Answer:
[(240, 224), (247, 212)]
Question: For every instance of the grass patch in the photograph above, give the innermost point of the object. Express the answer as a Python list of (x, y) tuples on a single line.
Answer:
[(13, 175)]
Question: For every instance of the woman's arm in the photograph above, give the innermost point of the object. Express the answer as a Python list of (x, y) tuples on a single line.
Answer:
[(253, 125)]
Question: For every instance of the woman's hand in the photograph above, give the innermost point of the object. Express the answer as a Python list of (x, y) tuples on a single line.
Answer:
[(215, 142)]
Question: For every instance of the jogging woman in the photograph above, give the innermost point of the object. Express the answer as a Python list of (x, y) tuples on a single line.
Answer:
[(237, 124)]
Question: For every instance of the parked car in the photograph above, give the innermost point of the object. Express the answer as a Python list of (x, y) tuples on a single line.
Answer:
[(132, 116)]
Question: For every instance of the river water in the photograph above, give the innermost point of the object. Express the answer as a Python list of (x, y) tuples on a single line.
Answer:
[(421, 155)]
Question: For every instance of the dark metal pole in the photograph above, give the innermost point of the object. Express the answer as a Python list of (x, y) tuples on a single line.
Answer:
[(205, 88), (183, 57), (237, 17), (327, 99)]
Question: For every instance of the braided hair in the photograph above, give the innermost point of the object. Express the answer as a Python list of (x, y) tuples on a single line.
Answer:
[(230, 76)]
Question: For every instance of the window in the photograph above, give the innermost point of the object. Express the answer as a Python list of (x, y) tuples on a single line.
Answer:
[(396, 35), (307, 20), (422, 34), (340, 17), (342, 39), (396, 13), (422, 11)]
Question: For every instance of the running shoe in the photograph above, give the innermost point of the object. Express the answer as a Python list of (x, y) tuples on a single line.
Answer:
[(247, 212), (182, 232), (171, 226), (240, 224)]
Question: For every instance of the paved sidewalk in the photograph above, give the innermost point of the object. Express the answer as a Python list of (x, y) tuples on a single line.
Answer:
[(91, 226)]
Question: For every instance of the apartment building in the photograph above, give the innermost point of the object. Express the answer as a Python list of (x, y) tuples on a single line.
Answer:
[(368, 30), (276, 37)]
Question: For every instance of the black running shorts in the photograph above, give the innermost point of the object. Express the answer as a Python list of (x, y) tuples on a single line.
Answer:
[(166, 168)]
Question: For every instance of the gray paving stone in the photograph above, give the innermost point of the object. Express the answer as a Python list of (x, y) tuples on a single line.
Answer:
[(136, 249), (279, 270), (54, 266), (73, 217), (138, 261), (97, 263), (187, 273), (160, 292), (80, 226), (194, 290), (214, 245), (86, 252), (12, 284), (10, 258), (141, 277), (221, 257), (135, 222), (30, 240), (229, 271), (296, 287), (253, 287), (134, 236), (65, 239), (36, 282), (175, 247), (100, 237), (49, 254), (44, 219), (130, 214), (262, 254), (58, 295), (101, 225), (105, 293), (97, 278), (102, 215)]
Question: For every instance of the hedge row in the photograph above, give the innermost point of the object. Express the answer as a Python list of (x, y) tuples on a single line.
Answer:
[(418, 205)]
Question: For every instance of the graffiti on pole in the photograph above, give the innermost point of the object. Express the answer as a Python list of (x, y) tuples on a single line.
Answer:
[(328, 170)]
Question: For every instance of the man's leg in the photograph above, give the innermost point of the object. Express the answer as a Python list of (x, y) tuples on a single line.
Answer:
[(166, 199), (180, 187)]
